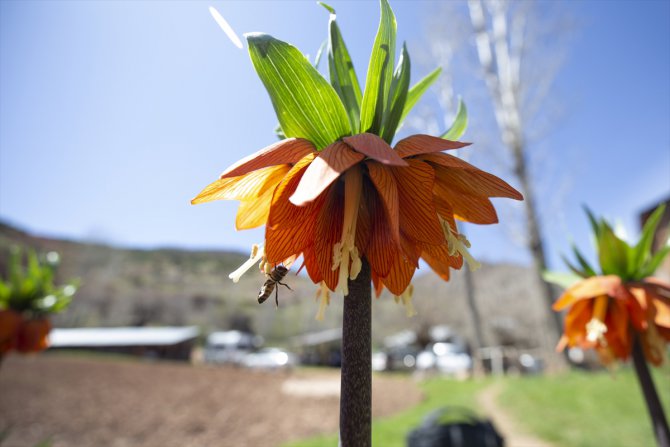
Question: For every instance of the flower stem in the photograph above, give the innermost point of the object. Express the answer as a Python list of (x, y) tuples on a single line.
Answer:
[(658, 419), (356, 382)]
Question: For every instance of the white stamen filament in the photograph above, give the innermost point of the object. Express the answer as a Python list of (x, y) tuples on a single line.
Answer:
[(256, 255), (458, 243), (324, 295), (345, 251)]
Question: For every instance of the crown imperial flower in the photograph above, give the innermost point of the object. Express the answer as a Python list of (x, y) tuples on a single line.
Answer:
[(606, 311), (335, 192)]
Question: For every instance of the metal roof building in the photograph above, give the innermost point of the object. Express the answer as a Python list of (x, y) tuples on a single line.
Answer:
[(173, 343)]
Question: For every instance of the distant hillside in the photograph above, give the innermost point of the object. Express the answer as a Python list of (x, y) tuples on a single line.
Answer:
[(178, 287)]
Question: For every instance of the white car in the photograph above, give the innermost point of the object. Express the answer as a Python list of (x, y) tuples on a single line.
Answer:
[(270, 358), (446, 358)]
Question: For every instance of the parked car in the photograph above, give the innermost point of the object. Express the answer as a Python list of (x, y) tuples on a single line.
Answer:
[(229, 346), (447, 358), (270, 358)]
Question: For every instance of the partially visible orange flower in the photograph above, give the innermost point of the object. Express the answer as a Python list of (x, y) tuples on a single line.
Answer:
[(605, 313), (10, 322), (33, 335), (360, 198)]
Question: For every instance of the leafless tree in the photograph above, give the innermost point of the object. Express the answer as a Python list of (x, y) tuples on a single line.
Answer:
[(519, 47)]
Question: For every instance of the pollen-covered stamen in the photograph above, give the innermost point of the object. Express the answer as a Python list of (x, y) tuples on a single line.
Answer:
[(345, 251), (323, 295), (257, 253), (458, 244), (406, 298), (596, 328)]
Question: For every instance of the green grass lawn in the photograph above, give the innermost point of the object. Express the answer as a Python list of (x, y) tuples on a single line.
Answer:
[(581, 409), (392, 431), (576, 409)]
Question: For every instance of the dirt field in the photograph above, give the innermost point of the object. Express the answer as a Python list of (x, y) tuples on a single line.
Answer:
[(81, 402)]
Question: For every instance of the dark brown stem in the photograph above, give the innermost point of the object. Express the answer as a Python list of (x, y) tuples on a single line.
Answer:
[(356, 382), (658, 419)]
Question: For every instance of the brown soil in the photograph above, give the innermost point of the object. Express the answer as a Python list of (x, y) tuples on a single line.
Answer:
[(79, 401)]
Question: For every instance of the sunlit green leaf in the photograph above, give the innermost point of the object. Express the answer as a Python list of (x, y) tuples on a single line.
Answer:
[(642, 251), (380, 72), (586, 267), (279, 132), (459, 125), (561, 279), (319, 54), (342, 74), (398, 97), (305, 103), (595, 225), (574, 269), (650, 268), (328, 7), (416, 92), (612, 252)]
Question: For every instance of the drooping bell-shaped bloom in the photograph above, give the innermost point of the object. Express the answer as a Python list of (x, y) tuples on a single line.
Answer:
[(334, 192), (607, 311), (361, 198)]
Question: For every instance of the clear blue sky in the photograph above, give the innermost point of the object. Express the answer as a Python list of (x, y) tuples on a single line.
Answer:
[(114, 114)]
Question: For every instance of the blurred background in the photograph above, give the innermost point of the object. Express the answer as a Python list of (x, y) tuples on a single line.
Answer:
[(113, 115)]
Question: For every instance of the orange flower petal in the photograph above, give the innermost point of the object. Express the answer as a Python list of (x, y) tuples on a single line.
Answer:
[(312, 266), (283, 211), (659, 283), (664, 332), (329, 232), (287, 151), (475, 209), (382, 247), (323, 171), (399, 276), (377, 284), (618, 321), (444, 210), (290, 228), (662, 307), (410, 249), (596, 285), (654, 299), (575, 322), (468, 178), (375, 148), (385, 184), (437, 257), (418, 217), (565, 300), (283, 242), (254, 213), (425, 144), (364, 220), (636, 311), (587, 289), (617, 335), (245, 187)]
